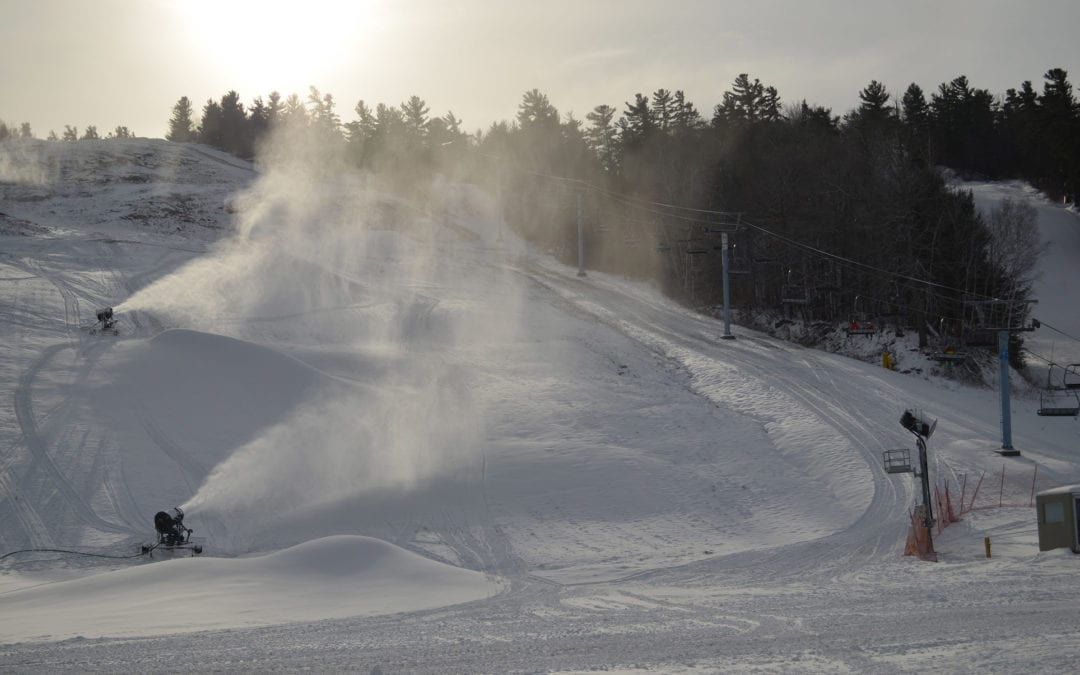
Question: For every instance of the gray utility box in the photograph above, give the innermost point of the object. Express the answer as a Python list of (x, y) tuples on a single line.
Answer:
[(1057, 510)]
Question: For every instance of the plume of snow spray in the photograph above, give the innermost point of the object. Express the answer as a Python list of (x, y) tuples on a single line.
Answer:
[(321, 257)]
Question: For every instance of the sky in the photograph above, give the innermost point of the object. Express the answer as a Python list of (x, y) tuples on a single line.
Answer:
[(127, 62)]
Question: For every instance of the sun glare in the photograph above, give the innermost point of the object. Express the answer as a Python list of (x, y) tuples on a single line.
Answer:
[(259, 45)]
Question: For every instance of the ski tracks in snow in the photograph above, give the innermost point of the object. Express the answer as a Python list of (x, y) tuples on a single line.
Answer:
[(877, 531)]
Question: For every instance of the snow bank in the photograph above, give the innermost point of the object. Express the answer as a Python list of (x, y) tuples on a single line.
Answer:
[(334, 577)]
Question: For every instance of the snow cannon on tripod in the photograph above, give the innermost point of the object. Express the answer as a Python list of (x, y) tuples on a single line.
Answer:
[(172, 534)]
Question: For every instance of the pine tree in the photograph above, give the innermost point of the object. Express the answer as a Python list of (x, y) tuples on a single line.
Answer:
[(663, 109), (686, 115), (235, 134), (414, 114), (181, 124), (90, 134), (71, 133), (743, 104), (602, 136), (274, 108), (293, 113), (535, 110), (1060, 126), (211, 130), (324, 120), (770, 105), (874, 108), (637, 123)]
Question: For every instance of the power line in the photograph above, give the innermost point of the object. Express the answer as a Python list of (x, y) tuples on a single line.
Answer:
[(649, 207), (1058, 330)]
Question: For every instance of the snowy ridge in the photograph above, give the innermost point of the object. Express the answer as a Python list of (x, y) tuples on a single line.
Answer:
[(340, 576)]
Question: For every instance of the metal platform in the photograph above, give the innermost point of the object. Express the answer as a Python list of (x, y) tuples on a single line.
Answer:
[(897, 460)]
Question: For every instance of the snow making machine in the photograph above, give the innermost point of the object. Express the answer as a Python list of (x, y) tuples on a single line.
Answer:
[(172, 535), (106, 322)]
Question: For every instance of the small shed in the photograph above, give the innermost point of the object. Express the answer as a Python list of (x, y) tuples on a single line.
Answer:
[(1059, 526)]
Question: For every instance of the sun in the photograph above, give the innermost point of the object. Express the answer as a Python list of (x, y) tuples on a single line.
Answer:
[(262, 45)]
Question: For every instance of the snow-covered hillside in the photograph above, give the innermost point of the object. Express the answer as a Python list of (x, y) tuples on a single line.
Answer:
[(408, 443)]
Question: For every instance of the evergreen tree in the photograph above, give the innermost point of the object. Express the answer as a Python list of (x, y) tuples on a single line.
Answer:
[(602, 136), (52, 136), (874, 107), (323, 118), (770, 105), (90, 134), (915, 113), (964, 126), (414, 114), (686, 115), (1059, 131), (211, 129), (535, 110), (235, 134), (743, 104), (71, 133), (181, 124), (24, 130), (293, 113), (637, 123), (274, 109), (663, 109), (258, 121)]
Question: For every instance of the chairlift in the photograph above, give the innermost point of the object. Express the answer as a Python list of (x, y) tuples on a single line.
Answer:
[(695, 247), (860, 324), (1058, 403), (949, 355), (897, 460), (1070, 379)]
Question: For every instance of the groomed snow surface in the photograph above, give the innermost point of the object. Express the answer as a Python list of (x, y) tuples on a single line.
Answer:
[(409, 443)]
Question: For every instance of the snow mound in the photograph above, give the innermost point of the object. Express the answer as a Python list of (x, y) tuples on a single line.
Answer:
[(334, 577), (187, 399)]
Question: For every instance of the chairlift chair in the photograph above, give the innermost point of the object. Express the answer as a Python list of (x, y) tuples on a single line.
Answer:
[(1057, 403), (949, 355), (897, 460), (1070, 379), (860, 324), (695, 247)]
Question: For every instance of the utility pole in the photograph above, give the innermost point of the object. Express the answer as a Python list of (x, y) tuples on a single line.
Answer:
[(1006, 407), (727, 295), (1003, 333), (580, 237)]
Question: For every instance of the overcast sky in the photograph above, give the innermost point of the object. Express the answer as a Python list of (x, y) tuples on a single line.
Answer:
[(126, 62)]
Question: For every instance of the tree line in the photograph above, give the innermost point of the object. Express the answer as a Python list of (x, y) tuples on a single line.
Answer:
[(70, 133), (830, 217)]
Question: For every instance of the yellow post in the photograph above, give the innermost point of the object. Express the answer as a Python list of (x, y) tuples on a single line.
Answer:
[(986, 543), (886, 361)]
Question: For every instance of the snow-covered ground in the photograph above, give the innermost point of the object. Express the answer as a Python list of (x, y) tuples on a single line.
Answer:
[(410, 444)]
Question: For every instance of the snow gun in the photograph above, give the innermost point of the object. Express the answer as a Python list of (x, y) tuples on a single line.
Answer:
[(172, 534)]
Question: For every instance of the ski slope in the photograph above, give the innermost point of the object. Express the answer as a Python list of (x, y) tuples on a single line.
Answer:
[(410, 443)]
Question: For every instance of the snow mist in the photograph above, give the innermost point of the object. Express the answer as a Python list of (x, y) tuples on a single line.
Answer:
[(327, 268)]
